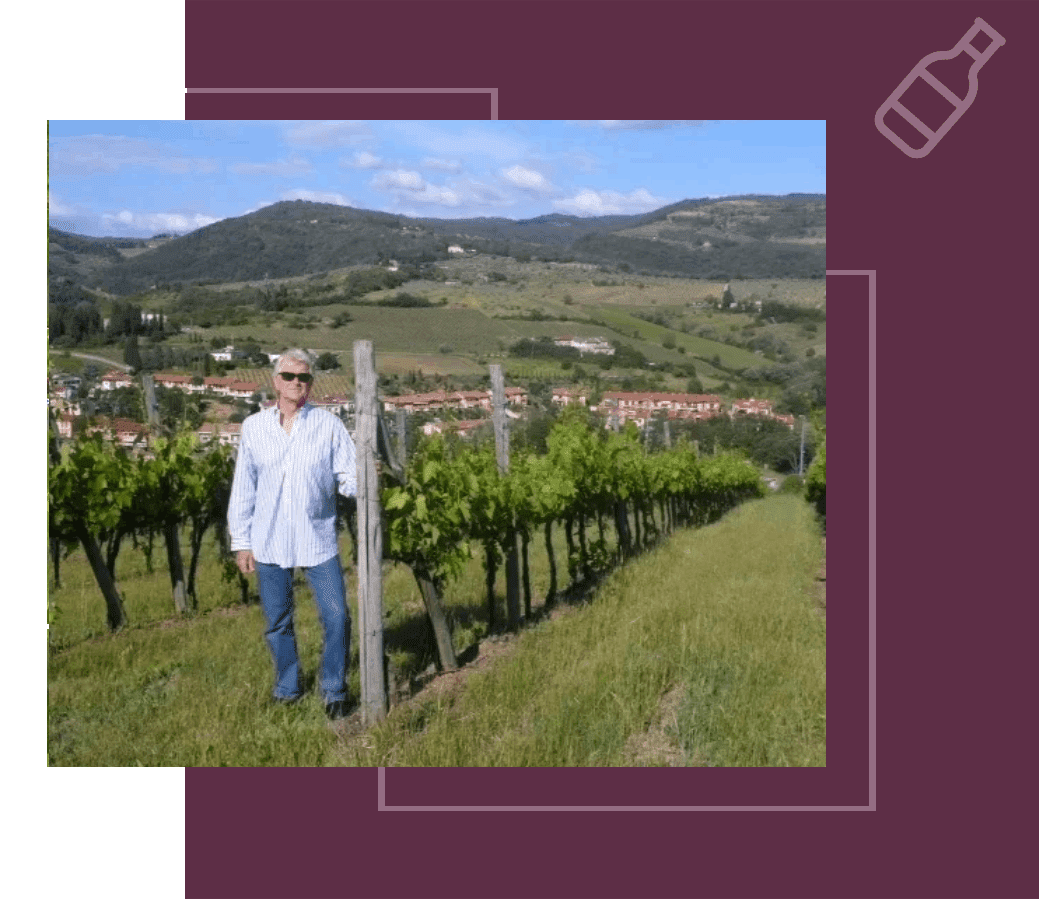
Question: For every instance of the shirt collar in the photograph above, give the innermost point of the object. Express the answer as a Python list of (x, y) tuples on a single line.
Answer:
[(273, 412)]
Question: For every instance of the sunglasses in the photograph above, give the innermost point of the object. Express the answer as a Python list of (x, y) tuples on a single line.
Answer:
[(291, 376)]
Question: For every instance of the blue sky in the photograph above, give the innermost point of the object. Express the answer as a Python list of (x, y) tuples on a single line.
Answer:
[(138, 178)]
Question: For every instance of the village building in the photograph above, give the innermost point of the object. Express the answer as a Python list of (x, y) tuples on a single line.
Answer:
[(759, 409), (227, 433), (231, 387), (751, 406), (622, 407), (123, 431), (65, 424), (564, 396), (337, 405), (180, 382), (114, 379), (463, 428), (458, 399)]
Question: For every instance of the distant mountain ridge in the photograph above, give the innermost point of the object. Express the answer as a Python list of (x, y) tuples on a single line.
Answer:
[(748, 236)]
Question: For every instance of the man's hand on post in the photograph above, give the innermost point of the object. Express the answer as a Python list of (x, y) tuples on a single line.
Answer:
[(246, 561)]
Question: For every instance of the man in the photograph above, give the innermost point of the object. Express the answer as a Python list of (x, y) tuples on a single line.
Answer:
[(292, 459)]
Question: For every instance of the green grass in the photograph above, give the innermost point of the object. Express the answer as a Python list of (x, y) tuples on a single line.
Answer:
[(724, 613), (730, 357), (391, 330)]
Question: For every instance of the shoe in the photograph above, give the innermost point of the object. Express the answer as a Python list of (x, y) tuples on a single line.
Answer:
[(286, 700), (337, 709)]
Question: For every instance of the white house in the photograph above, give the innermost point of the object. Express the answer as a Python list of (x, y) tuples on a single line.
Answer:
[(587, 344)]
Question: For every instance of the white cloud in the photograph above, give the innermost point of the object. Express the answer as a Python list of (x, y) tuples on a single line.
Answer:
[(316, 196), (400, 179), (155, 222), (362, 160), (438, 196), (284, 168), (527, 179), (56, 207), (485, 194), (326, 134), (609, 202), (411, 187)]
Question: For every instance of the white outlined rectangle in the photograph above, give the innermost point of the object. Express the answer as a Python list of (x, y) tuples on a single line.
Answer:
[(872, 806)]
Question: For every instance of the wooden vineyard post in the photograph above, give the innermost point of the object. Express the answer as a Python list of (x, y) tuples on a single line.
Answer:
[(170, 530), (501, 443), (402, 436), (369, 538)]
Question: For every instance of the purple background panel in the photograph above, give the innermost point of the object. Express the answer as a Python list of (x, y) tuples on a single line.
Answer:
[(951, 238), (333, 842)]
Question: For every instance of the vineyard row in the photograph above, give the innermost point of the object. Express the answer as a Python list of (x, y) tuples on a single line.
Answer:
[(448, 498)]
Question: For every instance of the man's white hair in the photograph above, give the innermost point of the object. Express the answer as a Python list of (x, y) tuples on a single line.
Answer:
[(299, 355)]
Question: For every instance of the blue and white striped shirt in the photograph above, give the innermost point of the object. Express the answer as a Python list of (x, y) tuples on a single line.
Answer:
[(283, 504)]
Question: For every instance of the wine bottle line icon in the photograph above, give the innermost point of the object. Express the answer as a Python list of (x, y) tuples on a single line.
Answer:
[(922, 74)]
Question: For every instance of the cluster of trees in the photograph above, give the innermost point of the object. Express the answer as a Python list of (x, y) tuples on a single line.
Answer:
[(774, 310), (73, 317), (770, 310), (756, 259), (764, 441), (69, 324), (801, 384), (177, 408), (127, 318), (624, 355), (405, 300), (544, 348)]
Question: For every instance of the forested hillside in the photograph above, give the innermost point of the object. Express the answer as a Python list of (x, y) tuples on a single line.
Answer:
[(747, 237)]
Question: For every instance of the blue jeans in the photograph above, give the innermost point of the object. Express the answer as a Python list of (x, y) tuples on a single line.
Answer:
[(276, 596)]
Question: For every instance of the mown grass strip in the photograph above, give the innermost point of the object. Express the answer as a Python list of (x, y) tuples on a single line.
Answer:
[(725, 611)]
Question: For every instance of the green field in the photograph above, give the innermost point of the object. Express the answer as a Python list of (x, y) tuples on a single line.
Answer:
[(479, 316), (653, 335), (718, 621)]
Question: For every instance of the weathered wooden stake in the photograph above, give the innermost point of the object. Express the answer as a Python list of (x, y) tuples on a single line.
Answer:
[(501, 443), (402, 436), (369, 538), (170, 529)]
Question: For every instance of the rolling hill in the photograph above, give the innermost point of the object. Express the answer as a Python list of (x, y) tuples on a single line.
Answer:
[(748, 237)]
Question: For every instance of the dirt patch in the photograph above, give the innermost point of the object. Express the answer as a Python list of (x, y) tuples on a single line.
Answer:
[(658, 746)]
